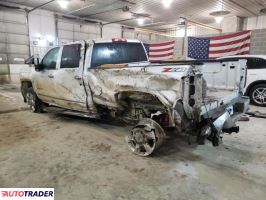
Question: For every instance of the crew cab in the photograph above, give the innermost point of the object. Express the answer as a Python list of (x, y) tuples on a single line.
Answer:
[(256, 77), (114, 79)]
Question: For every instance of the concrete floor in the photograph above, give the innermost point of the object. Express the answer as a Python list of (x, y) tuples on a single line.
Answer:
[(88, 159)]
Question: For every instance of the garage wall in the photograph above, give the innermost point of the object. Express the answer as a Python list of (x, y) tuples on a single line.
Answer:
[(14, 48), (112, 31), (13, 37), (128, 33), (232, 24), (69, 31), (258, 42), (254, 23), (42, 31)]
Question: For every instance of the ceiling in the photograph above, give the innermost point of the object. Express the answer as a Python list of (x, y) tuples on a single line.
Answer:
[(197, 10)]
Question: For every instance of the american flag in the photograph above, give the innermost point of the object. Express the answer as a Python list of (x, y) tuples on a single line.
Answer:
[(160, 51), (219, 46)]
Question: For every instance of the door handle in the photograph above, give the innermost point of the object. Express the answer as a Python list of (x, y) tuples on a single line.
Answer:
[(51, 76), (77, 77)]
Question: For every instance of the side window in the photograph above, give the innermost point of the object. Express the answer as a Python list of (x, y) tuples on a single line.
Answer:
[(70, 56), (256, 63), (250, 63), (260, 63), (117, 53), (49, 60)]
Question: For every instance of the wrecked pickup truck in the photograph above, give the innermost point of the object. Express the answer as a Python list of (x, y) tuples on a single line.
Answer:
[(113, 78)]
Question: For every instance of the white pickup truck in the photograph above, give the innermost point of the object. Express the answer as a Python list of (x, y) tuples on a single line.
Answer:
[(113, 78)]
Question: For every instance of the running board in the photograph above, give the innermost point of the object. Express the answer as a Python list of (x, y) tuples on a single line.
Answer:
[(53, 109)]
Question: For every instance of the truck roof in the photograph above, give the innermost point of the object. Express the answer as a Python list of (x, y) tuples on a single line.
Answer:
[(101, 40)]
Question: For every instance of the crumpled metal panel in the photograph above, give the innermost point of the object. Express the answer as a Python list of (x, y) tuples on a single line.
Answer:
[(105, 84)]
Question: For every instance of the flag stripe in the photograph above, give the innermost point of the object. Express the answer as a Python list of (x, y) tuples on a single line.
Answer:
[(228, 39), (159, 50), (225, 49), (162, 44), (217, 55), (228, 36), (228, 46), (162, 47), (162, 55), (230, 42)]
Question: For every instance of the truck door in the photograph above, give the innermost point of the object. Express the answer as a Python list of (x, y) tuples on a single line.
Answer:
[(68, 79), (43, 79)]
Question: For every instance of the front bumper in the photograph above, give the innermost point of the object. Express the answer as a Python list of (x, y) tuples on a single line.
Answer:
[(225, 116)]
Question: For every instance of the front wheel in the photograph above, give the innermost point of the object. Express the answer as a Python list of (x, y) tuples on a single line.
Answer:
[(33, 101), (258, 95)]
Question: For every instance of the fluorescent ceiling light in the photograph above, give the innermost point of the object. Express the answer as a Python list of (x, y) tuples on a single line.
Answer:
[(140, 21), (219, 15), (167, 3), (63, 3), (219, 19)]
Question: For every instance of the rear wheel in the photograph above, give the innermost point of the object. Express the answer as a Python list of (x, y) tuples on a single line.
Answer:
[(33, 101), (146, 137), (258, 95)]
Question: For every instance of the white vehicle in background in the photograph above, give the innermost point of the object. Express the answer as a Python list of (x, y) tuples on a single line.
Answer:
[(256, 77)]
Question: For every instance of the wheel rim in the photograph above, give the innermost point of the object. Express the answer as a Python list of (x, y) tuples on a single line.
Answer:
[(259, 96), (31, 101), (141, 142), (145, 138)]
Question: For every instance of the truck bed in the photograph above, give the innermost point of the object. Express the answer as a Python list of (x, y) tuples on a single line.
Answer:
[(214, 94)]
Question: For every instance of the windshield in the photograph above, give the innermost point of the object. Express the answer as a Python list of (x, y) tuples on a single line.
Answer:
[(117, 53)]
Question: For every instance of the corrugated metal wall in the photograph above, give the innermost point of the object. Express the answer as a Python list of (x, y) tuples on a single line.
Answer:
[(14, 46), (69, 31), (42, 27)]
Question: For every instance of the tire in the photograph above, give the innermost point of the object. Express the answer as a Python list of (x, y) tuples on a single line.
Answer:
[(33, 101), (257, 95), (146, 137)]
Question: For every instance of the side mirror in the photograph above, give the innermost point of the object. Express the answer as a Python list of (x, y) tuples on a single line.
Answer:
[(33, 60), (36, 61), (37, 65), (29, 61)]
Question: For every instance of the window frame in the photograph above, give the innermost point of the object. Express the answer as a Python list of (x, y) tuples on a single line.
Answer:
[(58, 56), (80, 56), (256, 60)]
